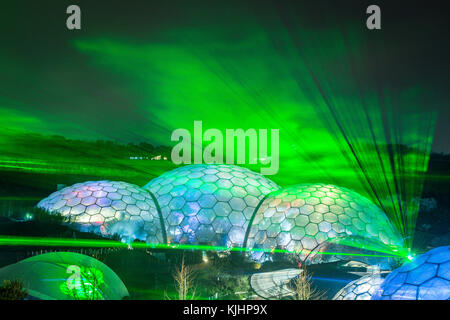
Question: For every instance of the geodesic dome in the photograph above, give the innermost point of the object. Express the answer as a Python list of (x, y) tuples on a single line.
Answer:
[(360, 289), (301, 217), (47, 277), (108, 208), (426, 277), (209, 203)]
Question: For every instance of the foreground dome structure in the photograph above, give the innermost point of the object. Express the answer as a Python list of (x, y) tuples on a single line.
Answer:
[(360, 289), (426, 277), (108, 208), (302, 217), (46, 277), (210, 204)]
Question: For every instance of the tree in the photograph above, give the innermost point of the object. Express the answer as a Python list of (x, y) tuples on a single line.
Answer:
[(185, 282), (303, 289)]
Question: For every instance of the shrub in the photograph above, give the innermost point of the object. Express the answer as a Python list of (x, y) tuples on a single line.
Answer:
[(42, 215), (12, 290)]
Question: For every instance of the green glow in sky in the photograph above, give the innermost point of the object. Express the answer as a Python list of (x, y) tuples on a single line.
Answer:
[(332, 128)]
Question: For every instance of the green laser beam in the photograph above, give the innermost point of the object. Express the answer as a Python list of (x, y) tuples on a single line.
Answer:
[(371, 245), (55, 242)]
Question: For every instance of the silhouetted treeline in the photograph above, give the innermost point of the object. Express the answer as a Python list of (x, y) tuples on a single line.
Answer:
[(38, 146), (439, 156), (32, 145)]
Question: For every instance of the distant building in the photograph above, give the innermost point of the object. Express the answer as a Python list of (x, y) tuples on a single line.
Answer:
[(158, 157)]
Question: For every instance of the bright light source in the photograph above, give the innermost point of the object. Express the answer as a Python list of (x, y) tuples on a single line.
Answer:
[(204, 257)]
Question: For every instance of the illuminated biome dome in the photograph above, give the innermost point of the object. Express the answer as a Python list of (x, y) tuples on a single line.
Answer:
[(301, 217), (360, 289), (210, 204), (51, 276), (426, 277), (108, 208)]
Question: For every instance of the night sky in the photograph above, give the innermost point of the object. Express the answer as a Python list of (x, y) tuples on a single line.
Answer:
[(139, 69)]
